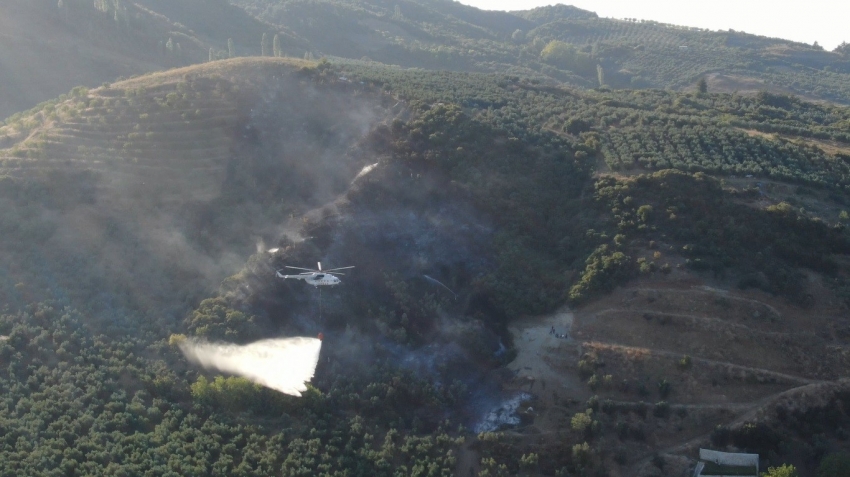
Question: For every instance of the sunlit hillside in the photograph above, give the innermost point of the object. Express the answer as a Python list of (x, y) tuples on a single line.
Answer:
[(559, 43), (48, 47)]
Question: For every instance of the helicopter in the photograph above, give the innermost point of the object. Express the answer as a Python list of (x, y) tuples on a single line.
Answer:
[(315, 277)]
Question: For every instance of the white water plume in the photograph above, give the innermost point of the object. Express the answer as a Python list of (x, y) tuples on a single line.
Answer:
[(365, 171), (282, 364), (438, 282)]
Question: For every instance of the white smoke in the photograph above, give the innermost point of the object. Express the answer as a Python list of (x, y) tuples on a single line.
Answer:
[(283, 364), (502, 415)]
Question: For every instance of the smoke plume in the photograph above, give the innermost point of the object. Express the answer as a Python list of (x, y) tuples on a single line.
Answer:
[(283, 364)]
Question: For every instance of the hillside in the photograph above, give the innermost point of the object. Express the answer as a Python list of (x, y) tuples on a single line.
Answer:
[(46, 49), (559, 43), (112, 175), (682, 230)]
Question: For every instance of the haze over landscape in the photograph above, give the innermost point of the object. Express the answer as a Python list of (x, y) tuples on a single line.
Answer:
[(821, 21), (566, 244)]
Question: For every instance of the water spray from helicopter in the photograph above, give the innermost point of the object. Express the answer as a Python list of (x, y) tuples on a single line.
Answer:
[(438, 282), (282, 364)]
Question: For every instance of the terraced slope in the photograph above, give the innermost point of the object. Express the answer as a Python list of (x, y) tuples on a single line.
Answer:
[(669, 366), (162, 135), (181, 173), (442, 35), (701, 348), (48, 47), (137, 137)]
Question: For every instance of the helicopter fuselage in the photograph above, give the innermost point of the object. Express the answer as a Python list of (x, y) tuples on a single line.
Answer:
[(315, 279)]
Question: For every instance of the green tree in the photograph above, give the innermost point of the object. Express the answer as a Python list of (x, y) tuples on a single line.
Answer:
[(121, 15), (215, 320), (491, 468), (582, 454), (231, 393), (663, 388), (604, 271), (202, 391), (529, 462), (566, 56), (576, 126), (835, 465), (644, 212), (785, 471), (231, 50), (702, 86), (264, 45), (581, 421), (276, 46)]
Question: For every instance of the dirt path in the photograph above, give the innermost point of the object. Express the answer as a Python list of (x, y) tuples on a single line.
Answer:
[(695, 319), (546, 367), (727, 364), (706, 290)]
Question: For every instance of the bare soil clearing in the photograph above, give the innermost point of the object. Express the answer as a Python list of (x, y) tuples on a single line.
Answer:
[(543, 355), (713, 356)]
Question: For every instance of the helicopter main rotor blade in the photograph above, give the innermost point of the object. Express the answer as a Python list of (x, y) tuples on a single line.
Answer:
[(340, 268), (299, 268)]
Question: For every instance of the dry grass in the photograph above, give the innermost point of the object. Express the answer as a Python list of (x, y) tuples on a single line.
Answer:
[(232, 68), (829, 147)]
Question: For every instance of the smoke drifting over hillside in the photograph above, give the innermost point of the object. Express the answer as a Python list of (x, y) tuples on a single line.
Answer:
[(219, 167), (284, 364), (182, 175)]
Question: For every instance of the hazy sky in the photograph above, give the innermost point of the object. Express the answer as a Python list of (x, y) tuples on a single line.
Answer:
[(824, 21)]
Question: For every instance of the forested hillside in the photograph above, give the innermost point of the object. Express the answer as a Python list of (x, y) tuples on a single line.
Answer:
[(581, 246), (561, 44), (94, 42)]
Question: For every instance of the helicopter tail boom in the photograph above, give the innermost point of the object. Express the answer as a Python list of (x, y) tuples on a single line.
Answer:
[(301, 276)]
